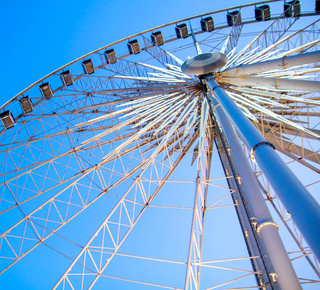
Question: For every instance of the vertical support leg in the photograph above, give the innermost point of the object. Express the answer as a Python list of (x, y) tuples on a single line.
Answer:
[(195, 247), (303, 208), (260, 262), (266, 228)]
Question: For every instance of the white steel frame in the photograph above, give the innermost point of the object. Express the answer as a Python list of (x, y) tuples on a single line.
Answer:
[(115, 140)]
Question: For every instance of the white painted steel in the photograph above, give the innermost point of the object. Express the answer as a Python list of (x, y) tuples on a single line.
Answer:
[(303, 208), (161, 120), (273, 83), (286, 276), (275, 64)]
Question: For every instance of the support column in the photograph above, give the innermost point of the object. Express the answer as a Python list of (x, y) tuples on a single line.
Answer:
[(192, 280), (275, 64), (266, 228), (303, 208), (273, 83)]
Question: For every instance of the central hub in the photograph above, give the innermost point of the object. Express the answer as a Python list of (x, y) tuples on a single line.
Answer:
[(204, 63)]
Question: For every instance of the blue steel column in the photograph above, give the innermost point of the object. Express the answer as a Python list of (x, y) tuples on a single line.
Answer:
[(266, 228), (303, 208)]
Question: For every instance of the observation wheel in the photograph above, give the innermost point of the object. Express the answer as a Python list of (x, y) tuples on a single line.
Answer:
[(183, 157)]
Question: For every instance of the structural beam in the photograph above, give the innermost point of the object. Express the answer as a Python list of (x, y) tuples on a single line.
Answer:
[(265, 227), (273, 83), (275, 64), (199, 209), (303, 208), (304, 153)]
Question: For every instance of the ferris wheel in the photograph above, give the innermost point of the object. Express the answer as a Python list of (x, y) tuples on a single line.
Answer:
[(182, 157)]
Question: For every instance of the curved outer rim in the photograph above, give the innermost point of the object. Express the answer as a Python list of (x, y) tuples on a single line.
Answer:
[(143, 32), (126, 38), (132, 36)]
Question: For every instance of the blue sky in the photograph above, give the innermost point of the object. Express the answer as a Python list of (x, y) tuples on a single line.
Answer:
[(40, 36)]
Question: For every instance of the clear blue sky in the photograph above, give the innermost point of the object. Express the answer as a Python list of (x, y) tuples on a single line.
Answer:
[(40, 36)]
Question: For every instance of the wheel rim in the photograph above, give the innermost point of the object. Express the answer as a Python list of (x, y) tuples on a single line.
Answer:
[(56, 161)]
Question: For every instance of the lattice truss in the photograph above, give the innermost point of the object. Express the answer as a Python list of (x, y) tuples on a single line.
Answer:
[(114, 141)]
